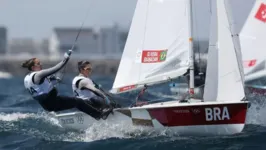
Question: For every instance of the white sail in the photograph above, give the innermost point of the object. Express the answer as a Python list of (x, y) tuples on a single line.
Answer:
[(157, 46), (252, 40), (235, 37), (229, 79), (211, 82)]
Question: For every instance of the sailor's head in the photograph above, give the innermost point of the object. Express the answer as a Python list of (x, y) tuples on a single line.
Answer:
[(32, 64), (84, 68)]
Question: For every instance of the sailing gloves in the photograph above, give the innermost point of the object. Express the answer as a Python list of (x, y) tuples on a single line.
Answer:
[(97, 86), (54, 78), (67, 54)]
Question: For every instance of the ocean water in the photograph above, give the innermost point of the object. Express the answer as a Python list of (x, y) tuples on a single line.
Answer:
[(25, 125)]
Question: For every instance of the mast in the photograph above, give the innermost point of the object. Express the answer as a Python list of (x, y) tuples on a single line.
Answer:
[(191, 52)]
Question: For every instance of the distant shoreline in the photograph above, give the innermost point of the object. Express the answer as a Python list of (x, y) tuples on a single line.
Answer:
[(100, 66)]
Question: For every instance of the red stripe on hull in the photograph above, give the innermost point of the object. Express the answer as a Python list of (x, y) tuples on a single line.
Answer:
[(201, 115), (257, 90)]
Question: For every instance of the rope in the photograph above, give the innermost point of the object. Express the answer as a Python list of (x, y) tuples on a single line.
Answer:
[(74, 44)]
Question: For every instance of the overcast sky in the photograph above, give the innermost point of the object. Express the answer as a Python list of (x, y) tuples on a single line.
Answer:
[(36, 18)]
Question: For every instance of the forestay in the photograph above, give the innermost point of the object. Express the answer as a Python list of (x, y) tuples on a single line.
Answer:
[(228, 77), (252, 40), (157, 46)]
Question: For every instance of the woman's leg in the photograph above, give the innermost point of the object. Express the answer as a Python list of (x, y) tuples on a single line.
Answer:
[(60, 103), (98, 102)]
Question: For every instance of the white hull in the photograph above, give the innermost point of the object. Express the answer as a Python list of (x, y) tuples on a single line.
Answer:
[(182, 118)]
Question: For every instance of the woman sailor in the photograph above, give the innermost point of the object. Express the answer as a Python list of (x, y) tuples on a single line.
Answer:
[(83, 87), (39, 85)]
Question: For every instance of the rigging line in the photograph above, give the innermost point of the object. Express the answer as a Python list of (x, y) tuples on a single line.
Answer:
[(228, 11), (76, 39)]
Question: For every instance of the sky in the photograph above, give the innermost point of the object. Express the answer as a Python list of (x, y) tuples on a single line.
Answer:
[(37, 18)]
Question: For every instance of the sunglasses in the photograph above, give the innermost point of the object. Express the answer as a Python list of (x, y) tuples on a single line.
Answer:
[(37, 64), (88, 69)]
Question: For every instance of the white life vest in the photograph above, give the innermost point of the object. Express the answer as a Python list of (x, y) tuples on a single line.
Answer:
[(81, 93), (36, 89)]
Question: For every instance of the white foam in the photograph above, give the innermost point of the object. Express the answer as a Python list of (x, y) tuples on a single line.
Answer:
[(103, 130), (11, 117), (14, 116)]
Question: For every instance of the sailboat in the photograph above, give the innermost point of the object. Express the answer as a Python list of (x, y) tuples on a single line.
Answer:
[(252, 40), (158, 49), (253, 53)]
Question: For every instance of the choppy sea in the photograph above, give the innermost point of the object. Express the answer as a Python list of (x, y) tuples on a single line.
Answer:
[(25, 125)]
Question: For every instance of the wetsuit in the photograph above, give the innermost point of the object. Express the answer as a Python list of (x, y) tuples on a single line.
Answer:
[(43, 90)]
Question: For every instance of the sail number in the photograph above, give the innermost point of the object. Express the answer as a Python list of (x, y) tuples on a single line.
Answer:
[(216, 113)]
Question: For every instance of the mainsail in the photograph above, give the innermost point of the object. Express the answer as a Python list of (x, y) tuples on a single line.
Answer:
[(157, 46)]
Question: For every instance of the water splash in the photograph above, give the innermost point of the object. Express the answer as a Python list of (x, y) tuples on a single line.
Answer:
[(257, 111), (45, 126), (105, 130)]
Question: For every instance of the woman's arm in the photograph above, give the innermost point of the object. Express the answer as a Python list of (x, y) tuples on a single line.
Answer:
[(39, 77), (87, 83)]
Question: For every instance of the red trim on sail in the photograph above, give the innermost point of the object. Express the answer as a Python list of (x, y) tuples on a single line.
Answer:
[(201, 115)]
